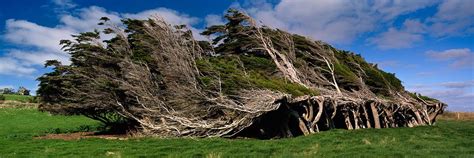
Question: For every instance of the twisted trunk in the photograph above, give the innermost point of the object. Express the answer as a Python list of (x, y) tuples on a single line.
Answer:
[(346, 115)]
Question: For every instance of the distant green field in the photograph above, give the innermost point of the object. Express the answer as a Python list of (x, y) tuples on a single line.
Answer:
[(21, 98), (19, 126)]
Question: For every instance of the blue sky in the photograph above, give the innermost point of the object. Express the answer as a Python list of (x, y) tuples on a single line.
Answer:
[(429, 44)]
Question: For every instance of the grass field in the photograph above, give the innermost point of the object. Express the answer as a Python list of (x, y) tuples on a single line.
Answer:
[(457, 116), (18, 127), (20, 98)]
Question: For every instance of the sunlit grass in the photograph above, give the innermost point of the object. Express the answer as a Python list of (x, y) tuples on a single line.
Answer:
[(19, 126), (20, 98)]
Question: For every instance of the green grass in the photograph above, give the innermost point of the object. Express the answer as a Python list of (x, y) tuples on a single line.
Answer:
[(20, 98), (19, 126)]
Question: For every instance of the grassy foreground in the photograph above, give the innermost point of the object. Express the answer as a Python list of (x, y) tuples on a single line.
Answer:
[(19, 126), (20, 98)]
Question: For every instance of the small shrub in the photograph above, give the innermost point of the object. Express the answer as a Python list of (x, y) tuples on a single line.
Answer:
[(33, 99), (54, 131)]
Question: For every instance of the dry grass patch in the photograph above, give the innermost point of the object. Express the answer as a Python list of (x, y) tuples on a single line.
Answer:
[(465, 116), (17, 104)]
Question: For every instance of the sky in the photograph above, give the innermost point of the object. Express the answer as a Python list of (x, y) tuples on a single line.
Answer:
[(428, 44)]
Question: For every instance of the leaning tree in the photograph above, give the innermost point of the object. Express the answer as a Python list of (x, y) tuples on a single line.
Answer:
[(250, 80)]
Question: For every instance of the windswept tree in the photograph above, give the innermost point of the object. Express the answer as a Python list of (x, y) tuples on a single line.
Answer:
[(251, 80)]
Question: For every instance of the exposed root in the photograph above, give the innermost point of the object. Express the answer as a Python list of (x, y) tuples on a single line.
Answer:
[(347, 114)]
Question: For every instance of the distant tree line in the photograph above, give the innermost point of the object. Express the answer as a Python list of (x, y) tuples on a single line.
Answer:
[(21, 91)]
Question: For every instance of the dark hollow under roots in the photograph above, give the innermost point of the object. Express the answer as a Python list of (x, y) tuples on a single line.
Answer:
[(315, 114)]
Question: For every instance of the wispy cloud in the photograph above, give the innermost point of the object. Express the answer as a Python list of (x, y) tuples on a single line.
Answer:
[(458, 58), (424, 74), (394, 64), (394, 38), (342, 22), (458, 95), (411, 33), (335, 21), (214, 20), (65, 4), (10, 66), (466, 84), (388, 63), (454, 18)]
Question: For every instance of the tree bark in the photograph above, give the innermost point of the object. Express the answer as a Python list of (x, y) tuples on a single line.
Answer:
[(375, 115)]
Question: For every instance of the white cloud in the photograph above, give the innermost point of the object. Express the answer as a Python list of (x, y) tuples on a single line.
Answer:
[(214, 20), (66, 4), (338, 21), (342, 21), (456, 99), (414, 26), (425, 74), (410, 33), (458, 58), (31, 58), (388, 63), (171, 16), (36, 44), (454, 17), (86, 19), (10, 66), (466, 84), (450, 54), (26, 33), (394, 38), (458, 95)]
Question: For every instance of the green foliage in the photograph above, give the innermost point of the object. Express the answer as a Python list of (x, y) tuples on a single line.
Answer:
[(19, 126), (246, 72), (378, 81), (282, 85), (95, 83), (345, 70), (303, 44), (206, 46), (234, 37), (348, 66), (414, 95), (393, 81), (345, 77), (2, 98), (34, 99), (139, 40), (69, 90)]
